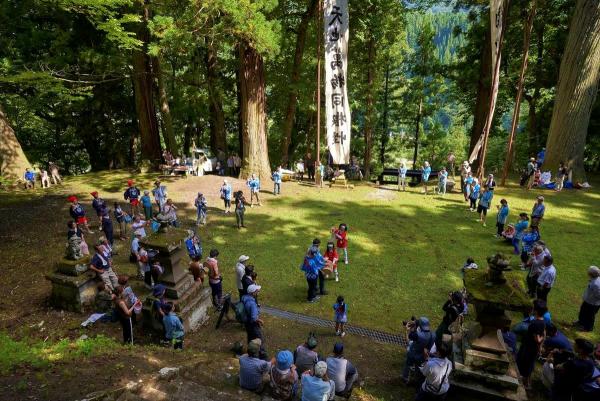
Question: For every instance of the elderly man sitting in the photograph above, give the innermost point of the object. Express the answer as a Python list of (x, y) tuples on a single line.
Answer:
[(316, 386), (341, 371), (254, 371)]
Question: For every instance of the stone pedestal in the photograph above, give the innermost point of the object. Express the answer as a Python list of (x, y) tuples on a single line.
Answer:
[(73, 285), (482, 362), (192, 301)]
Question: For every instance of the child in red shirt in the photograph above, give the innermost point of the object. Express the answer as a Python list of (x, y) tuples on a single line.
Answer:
[(331, 256), (342, 240)]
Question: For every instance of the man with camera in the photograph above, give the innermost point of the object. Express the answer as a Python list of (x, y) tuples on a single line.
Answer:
[(420, 341)]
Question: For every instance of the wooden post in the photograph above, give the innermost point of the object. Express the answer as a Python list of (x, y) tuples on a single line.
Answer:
[(517, 109)]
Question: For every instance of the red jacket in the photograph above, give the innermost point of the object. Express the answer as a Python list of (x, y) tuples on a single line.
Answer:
[(342, 241), (331, 255)]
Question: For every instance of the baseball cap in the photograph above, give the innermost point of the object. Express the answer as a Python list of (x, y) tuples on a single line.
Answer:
[(424, 323), (284, 360), (243, 258), (320, 369), (158, 289), (252, 288), (338, 348), (254, 346)]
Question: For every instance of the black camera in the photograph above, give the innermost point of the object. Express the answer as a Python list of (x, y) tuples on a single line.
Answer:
[(413, 322)]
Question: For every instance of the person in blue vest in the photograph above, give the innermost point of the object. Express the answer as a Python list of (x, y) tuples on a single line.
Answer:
[(502, 217), (132, 194), (29, 178), (402, 177), (201, 209), (425, 172), (474, 188), (147, 205), (520, 228), (254, 184), (538, 211), (160, 195), (442, 180), (77, 212), (97, 204), (106, 223), (193, 245), (311, 267), (485, 201), (277, 181), (225, 192)]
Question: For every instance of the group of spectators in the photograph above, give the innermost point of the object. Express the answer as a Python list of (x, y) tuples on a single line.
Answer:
[(30, 177), (302, 374)]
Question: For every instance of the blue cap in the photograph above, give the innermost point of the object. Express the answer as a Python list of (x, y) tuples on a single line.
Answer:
[(158, 289), (338, 348), (284, 360), (424, 323)]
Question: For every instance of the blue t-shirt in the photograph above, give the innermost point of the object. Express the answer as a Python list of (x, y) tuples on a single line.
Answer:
[(425, 173), (559, 341), (173, 326), (503, 214), (146, 201), (29, 176), (486, 199), (254, 184), (520, 227), (277, 177), (475, 192)]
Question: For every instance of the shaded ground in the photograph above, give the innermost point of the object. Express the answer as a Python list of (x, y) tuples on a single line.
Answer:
[(402, 246)]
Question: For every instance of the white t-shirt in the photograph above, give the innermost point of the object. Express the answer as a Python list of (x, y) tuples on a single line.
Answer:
[(436, 372), (547, 276)]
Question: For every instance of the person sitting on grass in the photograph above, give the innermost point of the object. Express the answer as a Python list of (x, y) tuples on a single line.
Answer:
[(485, 201), (174, 330), (502, 217), (253, 370), (341, 371), (436, 370), (316, 385), (284, 378), (29, 178), (420, 341), (305, 356)]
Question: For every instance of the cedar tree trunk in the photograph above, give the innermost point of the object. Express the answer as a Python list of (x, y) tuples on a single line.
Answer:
[(218, 138), (165, 110), (13, 161)]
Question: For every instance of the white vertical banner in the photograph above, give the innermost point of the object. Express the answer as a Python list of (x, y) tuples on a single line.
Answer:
[(337, 107)]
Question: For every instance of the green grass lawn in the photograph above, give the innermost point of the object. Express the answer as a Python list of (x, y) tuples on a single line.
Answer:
[(405, 249)]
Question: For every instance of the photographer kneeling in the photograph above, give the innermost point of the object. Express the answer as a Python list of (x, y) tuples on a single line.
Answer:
[(420, 341)]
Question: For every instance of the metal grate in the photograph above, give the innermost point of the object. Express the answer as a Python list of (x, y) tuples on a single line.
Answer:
[(376, 335)]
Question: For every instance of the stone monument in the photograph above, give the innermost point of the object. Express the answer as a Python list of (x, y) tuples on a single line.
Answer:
[(73, 284), (192, 301), (482, 362)]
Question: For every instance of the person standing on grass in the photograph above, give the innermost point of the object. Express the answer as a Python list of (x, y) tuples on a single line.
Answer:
[(425, 172), (138, 226), (402, 176), (53, 168), (225, 193), (520, 228), (29, 177), (147, 205), (311, 268), (277, 181), (106, 223), (536, 266), (490, 183), (160, 195), (174, 330), (201, 209), (253, 323), (254, 184), (530, 237), (77, 212), (442, 180), (240, 272), (170, 213), (485, 201), (473, 194), (546, 280), (502, 217), (532, 343), (531, 167), (97, 204), (538, 211), (124, 314), (214, 278), (591, 301), (321, 264), (465, 172), (436, 370), (561, 175), (331, 257), (45, 179), (341, 236), (121, 218), (467, 186), (240, 209), (340, 317), (132, 194), (420, 341)]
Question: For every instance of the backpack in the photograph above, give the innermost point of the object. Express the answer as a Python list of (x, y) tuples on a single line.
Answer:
[(240, 312)]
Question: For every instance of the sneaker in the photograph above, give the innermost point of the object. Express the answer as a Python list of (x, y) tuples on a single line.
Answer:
[(337, 333), (343, 334), (485, 225), (345, 262), (312, 301), (337, 278)]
